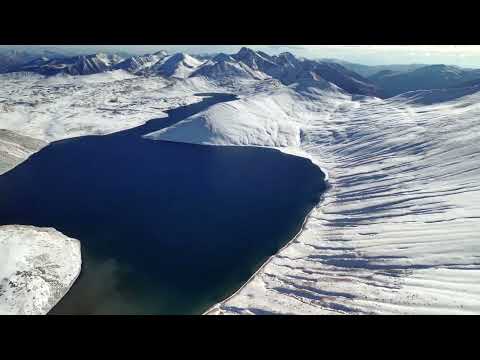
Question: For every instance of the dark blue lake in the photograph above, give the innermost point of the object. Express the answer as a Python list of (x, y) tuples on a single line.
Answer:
[(166, 228)]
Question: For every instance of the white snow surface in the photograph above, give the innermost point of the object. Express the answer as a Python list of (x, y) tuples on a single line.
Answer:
[(398, 230), (267, 128), (64, 106), (228, 69), (15, 148), (179, 66), (37, 268)]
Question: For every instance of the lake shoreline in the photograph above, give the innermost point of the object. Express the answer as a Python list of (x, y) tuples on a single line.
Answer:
[(106, 176)]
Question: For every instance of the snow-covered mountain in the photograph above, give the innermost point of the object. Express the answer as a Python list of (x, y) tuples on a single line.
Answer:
[(286, 68), (138, 63), (386, 81), (423, 78), (289, 70), (256, 60), (222, 57), (369, 70), (471, 83), (76, 65), (179, 66), (228, 68), (346, 79), (246, 64), (10, 60)]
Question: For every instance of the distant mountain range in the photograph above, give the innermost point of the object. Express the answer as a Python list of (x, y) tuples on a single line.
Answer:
[(424, 78), (76, 65), (369, 70), (285, 67), (380, 81), (11, 60)]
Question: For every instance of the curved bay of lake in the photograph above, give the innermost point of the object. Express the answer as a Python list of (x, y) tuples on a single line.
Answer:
[(166, 228)]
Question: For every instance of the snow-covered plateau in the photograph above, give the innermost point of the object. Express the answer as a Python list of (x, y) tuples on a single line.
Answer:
[(64, 106), (398, 229)]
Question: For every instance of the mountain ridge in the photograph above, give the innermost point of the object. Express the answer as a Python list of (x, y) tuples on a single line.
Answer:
[(248, 64)]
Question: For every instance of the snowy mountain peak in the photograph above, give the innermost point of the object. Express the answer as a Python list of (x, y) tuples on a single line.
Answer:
[(223, 57), (256, 61), (179, 65), (138, 63), (89, 64), (76, 65), (228, 68), (188, 60), (161, 53), (288, 57), (108, 59), (252, 58), (244, 51)]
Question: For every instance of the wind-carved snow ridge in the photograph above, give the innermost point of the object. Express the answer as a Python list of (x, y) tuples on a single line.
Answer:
[(398, 231)]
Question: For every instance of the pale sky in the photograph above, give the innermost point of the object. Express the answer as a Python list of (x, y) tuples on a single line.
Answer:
[(461, 55)]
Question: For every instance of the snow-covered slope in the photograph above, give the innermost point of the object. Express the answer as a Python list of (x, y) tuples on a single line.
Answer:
[(370, 70), (289, 70), (346, 79), (398, 229), (75, 65), (178, 66), (16, 148), (12, 59), (267, 119), (223, 57), (256, 60), (62, 106), (429, 97), (37, 268), (223, 69), (138, 63)]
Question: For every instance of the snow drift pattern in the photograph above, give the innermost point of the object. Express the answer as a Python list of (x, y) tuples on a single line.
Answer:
[(398, 230)]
